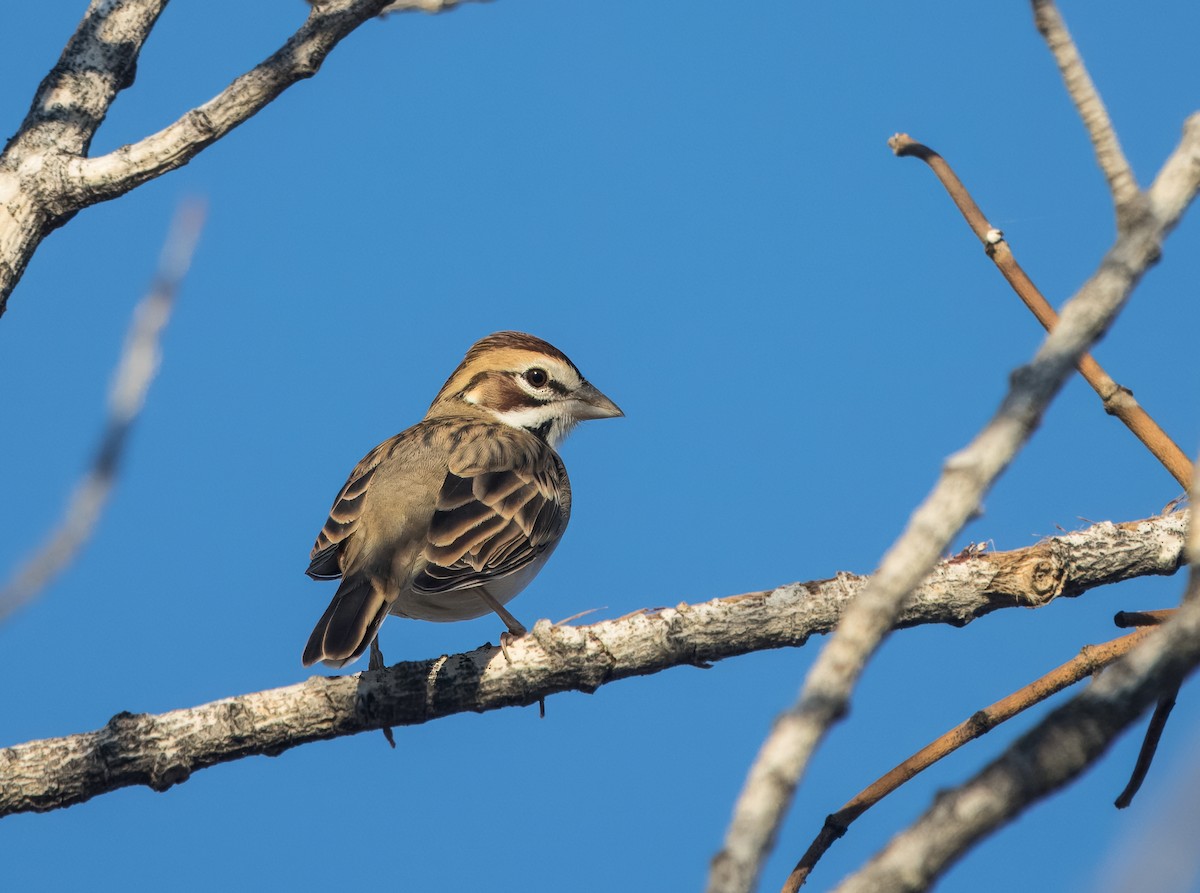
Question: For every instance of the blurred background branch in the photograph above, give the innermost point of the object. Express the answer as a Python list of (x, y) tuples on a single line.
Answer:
[(135, 371)]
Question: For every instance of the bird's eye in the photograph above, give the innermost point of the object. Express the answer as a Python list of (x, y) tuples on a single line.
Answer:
[(536, 377)]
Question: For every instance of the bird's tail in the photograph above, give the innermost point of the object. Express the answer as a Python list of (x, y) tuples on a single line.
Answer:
[(348, 625)]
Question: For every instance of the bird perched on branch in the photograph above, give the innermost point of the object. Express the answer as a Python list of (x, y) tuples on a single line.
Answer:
[(453, 517)]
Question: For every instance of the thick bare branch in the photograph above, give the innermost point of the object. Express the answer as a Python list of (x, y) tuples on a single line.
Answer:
[(112, 175), (1090, 660), (70, 104), (1179, 179), (97, 63), (163, 750), (966, 476), (1055, 752), (45, 177), (135, 372), (1121, 180)]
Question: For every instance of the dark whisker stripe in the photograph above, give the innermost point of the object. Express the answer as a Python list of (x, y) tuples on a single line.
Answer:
[(542, 431)]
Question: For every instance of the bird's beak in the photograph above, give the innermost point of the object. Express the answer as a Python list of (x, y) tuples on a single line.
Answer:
[(591, 404)]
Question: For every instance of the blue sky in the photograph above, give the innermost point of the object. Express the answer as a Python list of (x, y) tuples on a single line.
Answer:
[(696, 202)]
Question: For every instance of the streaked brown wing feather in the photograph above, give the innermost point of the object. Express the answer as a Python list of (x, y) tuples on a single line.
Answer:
[(505, 499), (325, 557)]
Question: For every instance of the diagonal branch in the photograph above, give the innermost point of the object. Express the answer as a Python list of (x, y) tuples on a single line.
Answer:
[(97, 63), (1090, 660), (1179, 180), (966, 476), (1048, 757), (160, 751), (1121, 181), (44, 174), (112, 175), (1118, 401), (135, 372)]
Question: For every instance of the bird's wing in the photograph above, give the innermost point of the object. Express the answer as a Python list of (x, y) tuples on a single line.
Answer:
[(505, 500), (325, 558)]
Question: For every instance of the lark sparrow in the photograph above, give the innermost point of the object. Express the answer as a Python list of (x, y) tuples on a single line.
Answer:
[(453, 517)]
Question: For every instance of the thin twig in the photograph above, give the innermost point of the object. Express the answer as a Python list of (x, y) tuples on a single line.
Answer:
[(1162, 711), (1157, 852), (1090, 660), (1118, 401), (1127, 619), (136, 369), (1145, 757), (1121, 181), (160, 751)]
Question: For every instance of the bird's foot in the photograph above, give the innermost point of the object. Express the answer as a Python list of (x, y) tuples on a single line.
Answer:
[(375, 662), (509, 636)]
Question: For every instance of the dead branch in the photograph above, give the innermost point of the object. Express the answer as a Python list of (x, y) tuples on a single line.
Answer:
[(1121, 181), (45, 174), (1048, 757), (771, 782), (163, 750), (1118, 401), (1091, 659)]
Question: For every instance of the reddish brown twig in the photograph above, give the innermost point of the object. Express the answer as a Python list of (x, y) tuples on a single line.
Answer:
[(1128, 619), (1118, 401), (1090, 659)]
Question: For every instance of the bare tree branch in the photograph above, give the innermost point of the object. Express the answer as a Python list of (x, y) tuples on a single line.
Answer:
[(1052, 754), (112, 175), (966, 476), (1090, 660), (97, 63), (1121, 181), (1158, 852), (160, 751), (135, 371), (1179, 179), (70, 104), (1158, 722), (45, 176), (1118, 401)]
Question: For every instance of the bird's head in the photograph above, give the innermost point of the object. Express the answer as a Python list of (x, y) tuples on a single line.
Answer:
[(524, 382)]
